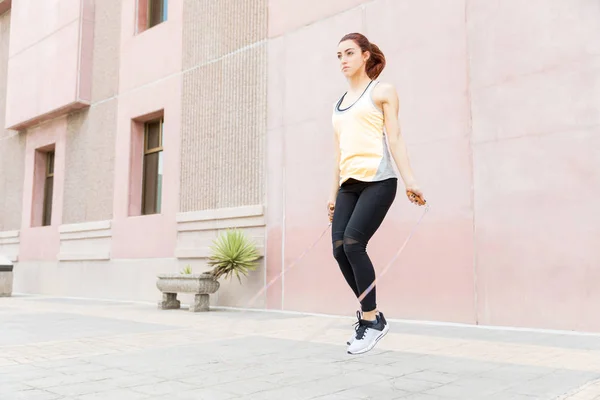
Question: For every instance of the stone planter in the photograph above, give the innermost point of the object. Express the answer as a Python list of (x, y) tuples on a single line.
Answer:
[(6, 277), (202, 285)]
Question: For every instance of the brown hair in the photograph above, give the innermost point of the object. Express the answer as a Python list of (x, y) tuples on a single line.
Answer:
[(376, 62)]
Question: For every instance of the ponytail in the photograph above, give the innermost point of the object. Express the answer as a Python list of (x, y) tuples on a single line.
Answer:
[(376, 62)]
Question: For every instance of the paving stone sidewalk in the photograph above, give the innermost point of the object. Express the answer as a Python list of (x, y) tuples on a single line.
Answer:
[(68, 349)]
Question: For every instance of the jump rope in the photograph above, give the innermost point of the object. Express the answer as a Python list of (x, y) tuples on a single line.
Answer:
[(413, 196)]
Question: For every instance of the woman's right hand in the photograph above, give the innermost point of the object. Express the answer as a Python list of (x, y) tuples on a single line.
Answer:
[(330, 210), (415, 195)]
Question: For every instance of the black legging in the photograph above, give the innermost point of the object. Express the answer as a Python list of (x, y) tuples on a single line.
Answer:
[(359, 211)]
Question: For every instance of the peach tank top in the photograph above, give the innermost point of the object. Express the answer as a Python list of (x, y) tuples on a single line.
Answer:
[(364, 153)]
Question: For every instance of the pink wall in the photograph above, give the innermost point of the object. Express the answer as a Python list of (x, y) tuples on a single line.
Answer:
[(275, 173), (147, 85), (536, 145), (300, 110), (42, 242), (50, 61), (285, 15), (500, 115)]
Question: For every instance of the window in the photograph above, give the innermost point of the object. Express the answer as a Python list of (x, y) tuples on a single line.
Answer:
[(151, 13), (157, 12), (44, 166), (153, 167), (48, 189)]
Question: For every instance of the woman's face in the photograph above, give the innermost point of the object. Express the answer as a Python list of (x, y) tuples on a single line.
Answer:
[(350, 57)]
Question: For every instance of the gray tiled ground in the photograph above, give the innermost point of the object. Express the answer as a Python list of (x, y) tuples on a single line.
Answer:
[(583, 341), (251, 367), (81, 302), (35, 327)]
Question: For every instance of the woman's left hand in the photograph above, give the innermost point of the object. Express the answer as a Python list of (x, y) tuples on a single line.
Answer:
[(415, 195)]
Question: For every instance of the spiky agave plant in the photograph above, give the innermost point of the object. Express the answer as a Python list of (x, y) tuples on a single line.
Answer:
[(187, 270), (232, 253)]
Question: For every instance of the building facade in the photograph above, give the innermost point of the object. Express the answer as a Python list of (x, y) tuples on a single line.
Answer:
[(134, 131)]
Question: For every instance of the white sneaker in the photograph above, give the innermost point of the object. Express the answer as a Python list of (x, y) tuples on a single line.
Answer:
[(356, 325), (349, 342), (368, 334)]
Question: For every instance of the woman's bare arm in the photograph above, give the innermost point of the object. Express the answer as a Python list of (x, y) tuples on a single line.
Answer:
[(386, 97)]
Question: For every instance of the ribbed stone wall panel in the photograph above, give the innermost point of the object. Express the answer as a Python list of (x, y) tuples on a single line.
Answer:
[(90, 160), (12, 175), (200, 137), (107, 41), (224, 104), (4, 43), (215, 28), (90, 148), (12, 147), (244, 133)]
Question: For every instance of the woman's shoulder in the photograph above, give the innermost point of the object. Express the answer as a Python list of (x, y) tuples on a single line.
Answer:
[(384, 89), (383, 93)]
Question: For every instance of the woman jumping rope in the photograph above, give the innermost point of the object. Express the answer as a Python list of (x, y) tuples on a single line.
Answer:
[(365, 182)]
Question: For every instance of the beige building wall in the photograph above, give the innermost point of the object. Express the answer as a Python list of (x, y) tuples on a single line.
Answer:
[(4, 44), (12, 154), (224, 104), (90, 150), (211, 86), (12, 147)]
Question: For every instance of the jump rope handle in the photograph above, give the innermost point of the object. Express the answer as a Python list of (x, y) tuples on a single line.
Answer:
[(414, 196)]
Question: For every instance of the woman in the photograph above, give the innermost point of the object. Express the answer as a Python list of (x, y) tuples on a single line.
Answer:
[(365, 182)]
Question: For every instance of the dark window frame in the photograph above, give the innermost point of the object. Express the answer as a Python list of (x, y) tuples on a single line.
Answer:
[(154, 205), (48, 188)]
